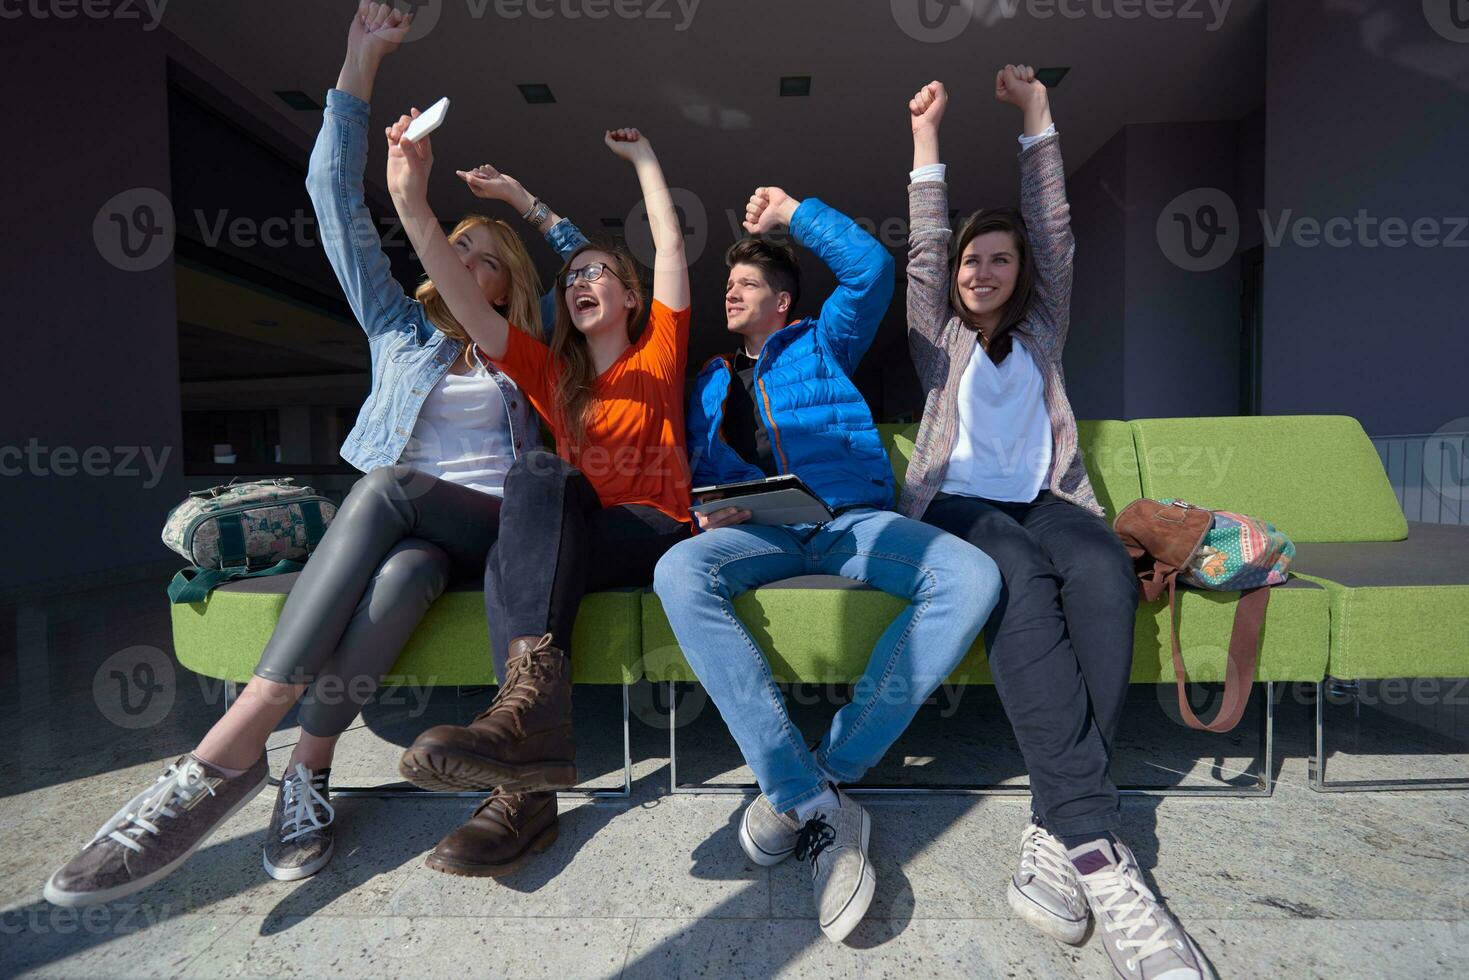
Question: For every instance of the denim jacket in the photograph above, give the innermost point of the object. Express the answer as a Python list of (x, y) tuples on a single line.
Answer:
[(409, 355)]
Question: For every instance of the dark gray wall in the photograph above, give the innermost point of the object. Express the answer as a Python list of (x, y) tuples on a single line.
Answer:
[(1182, 326), (1366, 110), (1149, 338), (90, 350), (1095, 347)]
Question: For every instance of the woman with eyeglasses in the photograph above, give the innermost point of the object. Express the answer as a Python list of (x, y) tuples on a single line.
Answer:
[(597, 514)]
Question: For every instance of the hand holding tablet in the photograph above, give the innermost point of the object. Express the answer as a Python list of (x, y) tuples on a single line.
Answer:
[(774, 500)]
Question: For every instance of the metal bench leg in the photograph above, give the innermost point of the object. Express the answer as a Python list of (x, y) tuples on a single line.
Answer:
[(1317, 764), (1264, 783)]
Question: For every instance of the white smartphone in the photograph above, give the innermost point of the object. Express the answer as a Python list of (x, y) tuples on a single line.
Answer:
[(429, 121)]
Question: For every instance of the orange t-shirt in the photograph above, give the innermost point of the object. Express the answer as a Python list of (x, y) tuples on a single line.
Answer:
[(635, 438)]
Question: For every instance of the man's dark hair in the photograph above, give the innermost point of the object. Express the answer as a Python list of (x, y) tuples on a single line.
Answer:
[(776, 260)]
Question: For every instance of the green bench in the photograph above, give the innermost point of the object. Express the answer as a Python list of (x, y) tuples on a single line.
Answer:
[(1398, 592), (794, 622), (1353, 594)]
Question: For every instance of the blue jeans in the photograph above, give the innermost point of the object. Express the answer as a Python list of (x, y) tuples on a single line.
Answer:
[(950, 585)]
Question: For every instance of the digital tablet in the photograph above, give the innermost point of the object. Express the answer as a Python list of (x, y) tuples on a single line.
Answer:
[(772, 500)]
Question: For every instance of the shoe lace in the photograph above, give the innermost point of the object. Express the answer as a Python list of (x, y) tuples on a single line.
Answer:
[(178, 786), (815, 836), (1045, 857), (1131, 910), (504, 807), (519, 693), (303, 802)]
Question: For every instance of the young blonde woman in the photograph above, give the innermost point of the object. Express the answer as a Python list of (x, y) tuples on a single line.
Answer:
[(437, 435), (596, 515), (996, 463)]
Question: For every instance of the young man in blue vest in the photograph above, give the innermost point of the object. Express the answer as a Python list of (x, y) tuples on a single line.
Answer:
[(784, 402)]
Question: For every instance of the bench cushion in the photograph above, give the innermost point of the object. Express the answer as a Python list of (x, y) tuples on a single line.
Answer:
[(821, 629), (1315, 477), (1398, 608), (450, 647)]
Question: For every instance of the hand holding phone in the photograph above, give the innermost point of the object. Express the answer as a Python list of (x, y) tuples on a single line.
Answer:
[(428, 121)]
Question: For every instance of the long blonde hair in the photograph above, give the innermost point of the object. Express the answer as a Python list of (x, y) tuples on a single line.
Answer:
[(577, 377), (524, 306)]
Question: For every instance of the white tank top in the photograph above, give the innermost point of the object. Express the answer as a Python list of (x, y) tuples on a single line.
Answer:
[(462, 434)]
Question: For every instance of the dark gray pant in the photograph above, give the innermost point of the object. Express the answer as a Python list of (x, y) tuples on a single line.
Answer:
[(1059, 644), (557, 544), (398, 540)]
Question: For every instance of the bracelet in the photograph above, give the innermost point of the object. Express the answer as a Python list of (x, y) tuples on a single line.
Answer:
[(537, 214)]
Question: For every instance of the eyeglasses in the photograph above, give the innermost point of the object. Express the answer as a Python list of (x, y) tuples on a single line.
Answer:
[(591, 272)]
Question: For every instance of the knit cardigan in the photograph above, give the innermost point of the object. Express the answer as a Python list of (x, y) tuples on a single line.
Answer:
[(942, 345)]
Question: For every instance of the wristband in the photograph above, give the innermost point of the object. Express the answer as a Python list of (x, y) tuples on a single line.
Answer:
[(537, 214)]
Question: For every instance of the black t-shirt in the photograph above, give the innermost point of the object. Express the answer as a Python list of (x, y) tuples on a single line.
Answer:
[(743, 427)]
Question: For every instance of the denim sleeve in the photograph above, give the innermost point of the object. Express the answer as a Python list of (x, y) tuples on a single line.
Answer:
[(347, 231), (565, 237), (864, 269)]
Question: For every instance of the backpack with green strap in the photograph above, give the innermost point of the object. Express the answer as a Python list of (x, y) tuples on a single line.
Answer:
[(243, 530)]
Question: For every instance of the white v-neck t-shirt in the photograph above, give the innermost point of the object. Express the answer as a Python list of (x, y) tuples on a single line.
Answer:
[(463, 434), (1003, 451)]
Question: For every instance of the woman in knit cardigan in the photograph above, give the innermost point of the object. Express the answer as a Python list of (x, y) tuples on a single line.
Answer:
[(996, 463)]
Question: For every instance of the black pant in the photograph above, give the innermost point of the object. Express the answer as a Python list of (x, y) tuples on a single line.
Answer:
[(1059, 643), (557, 543), (398, 540)]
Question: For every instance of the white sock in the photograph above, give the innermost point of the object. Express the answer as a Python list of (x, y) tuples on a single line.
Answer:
[(825, 800)]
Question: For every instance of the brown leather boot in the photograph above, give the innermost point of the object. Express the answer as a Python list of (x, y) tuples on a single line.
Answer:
[(501, 833), (522, 742)]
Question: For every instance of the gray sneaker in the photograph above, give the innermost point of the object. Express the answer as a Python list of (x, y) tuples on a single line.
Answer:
[(767, 837), (1044, 890), (299, 841), (835, 840), (1142, 939), (155, 832)]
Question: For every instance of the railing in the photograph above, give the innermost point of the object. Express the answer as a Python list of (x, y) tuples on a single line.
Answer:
[(1429, 473)]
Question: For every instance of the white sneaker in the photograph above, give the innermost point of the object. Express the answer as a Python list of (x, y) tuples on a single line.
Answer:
[(767, 837), (834, 839), (1044, 890), (1143, 941)]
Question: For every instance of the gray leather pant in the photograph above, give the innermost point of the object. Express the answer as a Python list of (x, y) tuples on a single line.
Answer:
[(398, 540)]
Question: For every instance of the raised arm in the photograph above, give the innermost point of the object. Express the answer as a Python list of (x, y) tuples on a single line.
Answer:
[(928, 226), (334, 178), (489, 184), (409, 164), (1043, 201), (670, 266), (864, 270)]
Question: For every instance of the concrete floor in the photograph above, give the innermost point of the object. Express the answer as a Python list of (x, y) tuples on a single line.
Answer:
[(1299, 885)]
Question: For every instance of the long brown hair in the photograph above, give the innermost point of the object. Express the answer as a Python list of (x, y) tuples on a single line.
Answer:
[(523, 308), (575, 395), (983, 222)]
